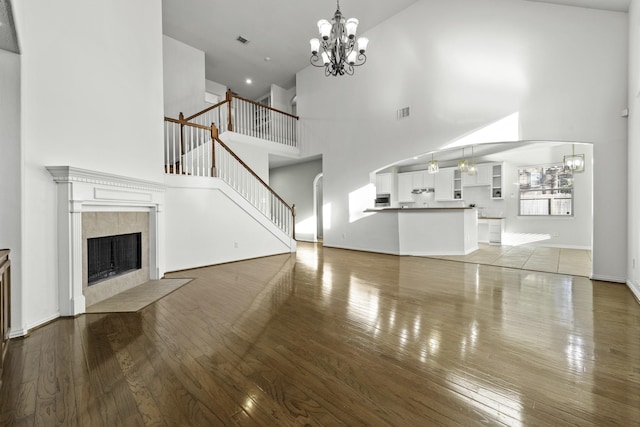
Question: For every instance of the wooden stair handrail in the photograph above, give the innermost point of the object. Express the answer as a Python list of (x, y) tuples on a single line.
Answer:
[(184, 122), (207, 109), (229, 96), (223, 145), (265, 106)]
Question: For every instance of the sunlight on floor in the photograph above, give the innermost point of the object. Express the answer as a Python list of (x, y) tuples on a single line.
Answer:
[(576, 262)]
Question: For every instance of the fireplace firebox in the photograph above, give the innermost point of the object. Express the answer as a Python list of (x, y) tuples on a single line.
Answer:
[(112, 256)]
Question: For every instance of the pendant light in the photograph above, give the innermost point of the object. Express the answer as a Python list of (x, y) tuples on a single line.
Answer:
[(463, 165), (472, 169), (574, 162), (433, 165)]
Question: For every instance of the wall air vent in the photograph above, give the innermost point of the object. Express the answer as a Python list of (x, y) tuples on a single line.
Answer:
[(403, 113), (242, 40)]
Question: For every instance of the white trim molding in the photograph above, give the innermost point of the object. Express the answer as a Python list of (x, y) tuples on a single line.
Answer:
[(635, 288), (81, 190)]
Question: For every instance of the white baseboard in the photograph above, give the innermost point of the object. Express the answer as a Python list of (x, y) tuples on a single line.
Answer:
[(635, 288), (18, 333), (25, 331), (608, 278)]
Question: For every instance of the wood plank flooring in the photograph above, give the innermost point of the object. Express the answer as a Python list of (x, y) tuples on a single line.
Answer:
[(333, 337)]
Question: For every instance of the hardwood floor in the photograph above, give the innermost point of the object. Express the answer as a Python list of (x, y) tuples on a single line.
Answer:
[(334, 337)]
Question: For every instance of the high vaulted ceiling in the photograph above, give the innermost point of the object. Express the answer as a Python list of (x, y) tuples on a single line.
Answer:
[(278, 30)]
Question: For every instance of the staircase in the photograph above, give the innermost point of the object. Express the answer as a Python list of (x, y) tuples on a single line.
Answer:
[(193, 147)]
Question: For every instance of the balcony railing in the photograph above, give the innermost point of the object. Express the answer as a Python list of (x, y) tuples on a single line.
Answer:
[(250, 118)]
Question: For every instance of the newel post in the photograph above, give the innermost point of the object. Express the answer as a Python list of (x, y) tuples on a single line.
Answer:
[(229, 100), (181, 118), (293, 219), (214, 136)]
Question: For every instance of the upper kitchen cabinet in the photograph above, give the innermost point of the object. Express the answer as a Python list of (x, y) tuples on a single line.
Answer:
[(405, 186), (497, 181), (409, 181), (457, 184), (384, 183), (483, 177), (444, 184)]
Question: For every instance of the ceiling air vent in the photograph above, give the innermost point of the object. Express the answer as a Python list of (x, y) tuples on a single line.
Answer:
[(403, 113), (242, 40)]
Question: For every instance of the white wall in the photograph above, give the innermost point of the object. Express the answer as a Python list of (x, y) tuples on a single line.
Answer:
[(461, 65), (92, 97), (10, 174), (206, 225), (633, 271), (184, 81), (216, 89), (573, 232), (295, 185), (281, 98)]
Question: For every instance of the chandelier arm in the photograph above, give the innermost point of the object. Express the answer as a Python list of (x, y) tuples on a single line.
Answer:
[(314, 61), (362, 57), (349, 69)]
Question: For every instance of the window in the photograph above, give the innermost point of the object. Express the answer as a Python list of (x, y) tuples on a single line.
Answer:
[(546, 191)]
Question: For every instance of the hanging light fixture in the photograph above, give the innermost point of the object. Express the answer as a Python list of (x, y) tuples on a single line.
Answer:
[(472, 169), (433, 165), (574, 162), (337, 46), (463, 165)]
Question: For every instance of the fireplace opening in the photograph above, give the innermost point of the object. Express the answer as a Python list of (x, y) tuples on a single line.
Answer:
[(112, 256)]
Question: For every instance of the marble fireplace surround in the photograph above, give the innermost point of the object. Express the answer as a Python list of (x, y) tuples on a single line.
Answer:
[(84, 191)]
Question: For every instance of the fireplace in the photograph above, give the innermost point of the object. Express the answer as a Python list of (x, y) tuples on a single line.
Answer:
[(112, 256), (115, 253), (94, 205)]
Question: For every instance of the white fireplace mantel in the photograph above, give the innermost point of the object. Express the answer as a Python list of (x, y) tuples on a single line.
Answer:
[(81, 190)]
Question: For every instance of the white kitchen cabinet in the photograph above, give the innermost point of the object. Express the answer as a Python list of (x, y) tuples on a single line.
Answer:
[(384, 183), (457, 184), (483, 177), (427, 179), (443, 183), (405, 186), (490, 230), (497, 180), (409, 181), (496, 228)]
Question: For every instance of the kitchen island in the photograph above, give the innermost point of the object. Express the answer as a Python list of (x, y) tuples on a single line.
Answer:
[(434, 231)]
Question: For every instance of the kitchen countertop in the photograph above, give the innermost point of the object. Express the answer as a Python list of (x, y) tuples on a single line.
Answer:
[(416, 209)]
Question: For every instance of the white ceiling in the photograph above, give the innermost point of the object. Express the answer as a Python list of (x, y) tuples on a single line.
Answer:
[(279, 29), (612, 5)]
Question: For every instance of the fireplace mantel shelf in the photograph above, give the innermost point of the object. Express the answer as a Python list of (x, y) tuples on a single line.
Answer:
[(72, 174)]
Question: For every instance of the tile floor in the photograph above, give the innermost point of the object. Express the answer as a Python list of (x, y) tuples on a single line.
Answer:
[(576, 262), (137, 298)]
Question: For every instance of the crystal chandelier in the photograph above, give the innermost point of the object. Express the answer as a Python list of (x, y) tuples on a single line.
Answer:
[(574, 162), (337, 46)]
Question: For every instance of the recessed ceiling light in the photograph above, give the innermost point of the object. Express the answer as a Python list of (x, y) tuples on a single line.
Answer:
[(267, 58), (248, 81)]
